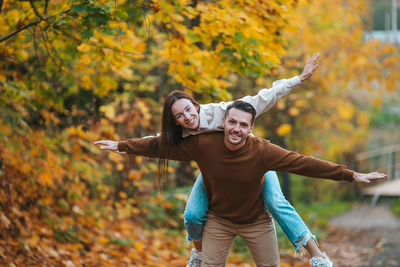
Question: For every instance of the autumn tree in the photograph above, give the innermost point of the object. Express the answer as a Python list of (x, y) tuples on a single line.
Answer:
[(77, 71)]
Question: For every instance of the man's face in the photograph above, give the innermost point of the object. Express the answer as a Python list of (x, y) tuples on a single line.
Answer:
[(237, 126), (185, 114)]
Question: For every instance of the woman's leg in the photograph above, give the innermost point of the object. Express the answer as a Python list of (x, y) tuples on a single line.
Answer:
[(195, 212), (287, 217)]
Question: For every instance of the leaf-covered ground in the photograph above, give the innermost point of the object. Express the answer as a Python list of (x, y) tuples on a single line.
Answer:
[(118, 243), (127, 243)]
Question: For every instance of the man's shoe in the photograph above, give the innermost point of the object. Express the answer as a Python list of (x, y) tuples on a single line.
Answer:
[(195, 259), (321, 261)]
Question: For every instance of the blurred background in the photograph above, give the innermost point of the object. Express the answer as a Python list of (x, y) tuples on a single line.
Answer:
[(73, 72)]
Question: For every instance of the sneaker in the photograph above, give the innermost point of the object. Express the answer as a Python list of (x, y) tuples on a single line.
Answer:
[(321, 261), (195, 259)]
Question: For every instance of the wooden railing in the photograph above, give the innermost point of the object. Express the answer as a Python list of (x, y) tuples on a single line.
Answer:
[(381, 159)]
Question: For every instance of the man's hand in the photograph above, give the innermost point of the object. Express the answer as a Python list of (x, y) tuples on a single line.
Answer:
[(109, 145), (310, 67), (367, 177)]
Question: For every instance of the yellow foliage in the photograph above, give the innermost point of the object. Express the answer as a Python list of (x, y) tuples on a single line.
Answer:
[(145, 113), (106, 84), (66, 188), (222, 19), (363, 119), (84, 47), (45, 178), (346, 112), (138, 246), (284, 129), (125, 73), (103, 240), (109, 110), (134, 175), (123, 195), (378, 102), (120, 167), (87, 82), (294, 111), (391, 84)]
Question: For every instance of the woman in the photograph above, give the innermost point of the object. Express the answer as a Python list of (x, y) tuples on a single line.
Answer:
[(183, 116)]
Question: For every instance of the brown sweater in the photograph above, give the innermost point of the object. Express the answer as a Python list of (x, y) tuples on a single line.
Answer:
[(234, 179)]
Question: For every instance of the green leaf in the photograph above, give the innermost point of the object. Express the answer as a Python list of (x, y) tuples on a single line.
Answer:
[(79, 8), (253, 41), (227, 51), (87, 34), (239, 37), (100, 20), (194, 37)]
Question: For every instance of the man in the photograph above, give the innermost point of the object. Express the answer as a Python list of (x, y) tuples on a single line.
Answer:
[(233, 165)]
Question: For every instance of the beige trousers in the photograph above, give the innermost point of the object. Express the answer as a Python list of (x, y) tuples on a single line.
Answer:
[(259, 236)]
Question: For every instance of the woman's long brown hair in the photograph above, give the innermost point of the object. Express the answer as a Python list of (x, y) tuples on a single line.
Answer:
[(171, 133)]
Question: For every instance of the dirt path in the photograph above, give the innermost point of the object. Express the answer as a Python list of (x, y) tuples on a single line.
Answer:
[(367, 236), (366, 217)]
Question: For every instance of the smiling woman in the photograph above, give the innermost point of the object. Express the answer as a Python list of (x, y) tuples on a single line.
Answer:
[(180, 111), (185, 114)]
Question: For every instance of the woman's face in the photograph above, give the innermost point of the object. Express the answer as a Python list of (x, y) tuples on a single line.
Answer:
[(185, 114)]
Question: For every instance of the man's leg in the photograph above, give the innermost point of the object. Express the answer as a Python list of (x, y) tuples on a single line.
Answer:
[(260, 237), (218, 236)]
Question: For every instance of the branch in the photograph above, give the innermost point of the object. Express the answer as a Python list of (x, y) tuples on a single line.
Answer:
[(35, 10), (130, 12), (36, 45), (47, 41), (1, 5), (30, 25), (45, 6), (20, 30), (147, 23), (19, 62)]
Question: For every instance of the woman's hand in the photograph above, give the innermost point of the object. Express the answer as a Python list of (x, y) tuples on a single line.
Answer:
[(310, 67), (109, 145), (367, 177)]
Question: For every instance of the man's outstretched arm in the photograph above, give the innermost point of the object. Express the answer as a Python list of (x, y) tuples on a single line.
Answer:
[(280, 159)]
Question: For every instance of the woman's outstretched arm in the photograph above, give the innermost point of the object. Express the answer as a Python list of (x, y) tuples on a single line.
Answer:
[(211, 114)]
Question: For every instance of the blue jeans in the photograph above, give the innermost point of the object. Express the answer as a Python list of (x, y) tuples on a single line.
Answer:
[(280, 209)]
